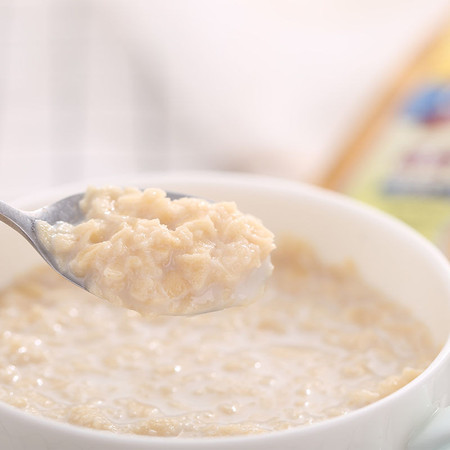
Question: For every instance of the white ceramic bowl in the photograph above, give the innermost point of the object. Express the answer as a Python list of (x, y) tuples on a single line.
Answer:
[(390, 256)]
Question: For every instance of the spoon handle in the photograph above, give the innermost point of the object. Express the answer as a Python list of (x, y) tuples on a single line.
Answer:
[(18, 220)]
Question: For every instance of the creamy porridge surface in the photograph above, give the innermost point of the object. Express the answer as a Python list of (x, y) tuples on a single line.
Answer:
[(144, 251), (320, 343)]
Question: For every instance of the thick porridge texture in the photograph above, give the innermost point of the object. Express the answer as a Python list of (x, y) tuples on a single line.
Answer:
[(144, 251), (320, 343)]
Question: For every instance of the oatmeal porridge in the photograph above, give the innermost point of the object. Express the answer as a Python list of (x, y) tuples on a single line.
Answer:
[(320, 343), (144, 251)]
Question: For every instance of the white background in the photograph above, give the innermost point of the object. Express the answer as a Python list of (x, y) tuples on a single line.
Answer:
[(99, 87)]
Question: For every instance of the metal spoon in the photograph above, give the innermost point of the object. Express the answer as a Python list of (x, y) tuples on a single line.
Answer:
[(65, 210)]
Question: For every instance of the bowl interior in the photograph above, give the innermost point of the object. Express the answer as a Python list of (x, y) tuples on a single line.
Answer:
[(390, 256)]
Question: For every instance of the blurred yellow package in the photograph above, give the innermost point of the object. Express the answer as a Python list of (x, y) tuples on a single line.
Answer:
[(400, 161)]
